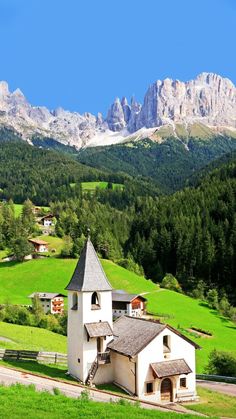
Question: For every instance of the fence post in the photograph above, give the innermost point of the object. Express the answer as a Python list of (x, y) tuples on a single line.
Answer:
[(55, 357)]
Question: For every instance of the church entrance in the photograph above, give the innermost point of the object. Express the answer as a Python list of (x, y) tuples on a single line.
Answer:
[(166, 390)]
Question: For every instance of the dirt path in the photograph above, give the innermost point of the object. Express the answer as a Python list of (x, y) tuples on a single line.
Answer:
[(225, 388), (10, 376)]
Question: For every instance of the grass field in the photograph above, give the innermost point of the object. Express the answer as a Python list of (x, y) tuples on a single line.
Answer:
[(18, 209), (17, 281), (26, 337), (91, 186), (54, 243), (18, 401), (186, 312), (213, 403)]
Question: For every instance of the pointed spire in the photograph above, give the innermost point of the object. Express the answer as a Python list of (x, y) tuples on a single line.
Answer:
[(89, 274)]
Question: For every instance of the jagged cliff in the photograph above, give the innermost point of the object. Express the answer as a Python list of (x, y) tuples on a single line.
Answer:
[(209, 99)]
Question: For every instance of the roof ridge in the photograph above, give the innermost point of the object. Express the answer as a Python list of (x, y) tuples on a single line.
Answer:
[(147, 320)]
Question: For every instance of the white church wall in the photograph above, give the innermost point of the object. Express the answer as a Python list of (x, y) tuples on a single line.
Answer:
[(124, 371), (104, 374), (79, 347), (153, 352)]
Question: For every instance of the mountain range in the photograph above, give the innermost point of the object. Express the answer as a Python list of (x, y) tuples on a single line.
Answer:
[(202, 107)]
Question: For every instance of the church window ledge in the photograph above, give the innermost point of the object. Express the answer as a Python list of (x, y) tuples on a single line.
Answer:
[(95, 307)]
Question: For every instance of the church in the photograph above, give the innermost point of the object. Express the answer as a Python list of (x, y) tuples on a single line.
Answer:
[(146, 358)]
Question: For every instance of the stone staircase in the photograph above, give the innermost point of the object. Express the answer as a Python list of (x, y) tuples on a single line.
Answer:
[(92, 372)]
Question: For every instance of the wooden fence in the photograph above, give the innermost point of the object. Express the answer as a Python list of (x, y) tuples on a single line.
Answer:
[(41, 357)]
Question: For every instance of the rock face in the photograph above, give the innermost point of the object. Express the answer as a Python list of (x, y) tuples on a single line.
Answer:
[(209, 99)]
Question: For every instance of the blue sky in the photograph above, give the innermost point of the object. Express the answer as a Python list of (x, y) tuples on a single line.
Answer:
[(82, 54)]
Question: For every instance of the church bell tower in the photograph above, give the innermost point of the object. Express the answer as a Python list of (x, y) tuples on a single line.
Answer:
[(89, 315)]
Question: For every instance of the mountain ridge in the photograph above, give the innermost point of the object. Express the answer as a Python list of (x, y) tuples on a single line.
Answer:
[(209, 100)]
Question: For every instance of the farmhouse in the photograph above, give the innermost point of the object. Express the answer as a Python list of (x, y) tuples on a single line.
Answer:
[(52, 303), (130, 304), (149, 359), (47, 220), (39, 245)]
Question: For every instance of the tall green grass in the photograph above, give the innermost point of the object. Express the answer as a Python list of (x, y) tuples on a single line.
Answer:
[(18, 401)]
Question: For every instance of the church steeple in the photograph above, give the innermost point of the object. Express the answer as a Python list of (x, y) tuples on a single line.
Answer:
[(89, 314), (89, 274)]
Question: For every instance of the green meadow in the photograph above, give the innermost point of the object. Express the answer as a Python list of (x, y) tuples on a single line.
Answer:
[(36, 405), (13, 336), (55, 244), (91, 186), (18, 209), (18, 280)]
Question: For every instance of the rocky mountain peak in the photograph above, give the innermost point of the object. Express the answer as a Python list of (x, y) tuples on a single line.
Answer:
[(209, 99), (4, 91)]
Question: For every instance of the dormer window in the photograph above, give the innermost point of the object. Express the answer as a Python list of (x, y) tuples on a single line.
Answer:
[(166, 343), (95, 301), (74, 301)]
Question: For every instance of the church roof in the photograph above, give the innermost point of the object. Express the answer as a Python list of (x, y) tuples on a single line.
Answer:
[(98, 329), (169, 368), (89, 274), (132, 334)]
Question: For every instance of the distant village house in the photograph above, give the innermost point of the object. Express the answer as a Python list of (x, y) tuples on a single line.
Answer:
[(47, 220), (40, 246), (52, 303), (131, 304)]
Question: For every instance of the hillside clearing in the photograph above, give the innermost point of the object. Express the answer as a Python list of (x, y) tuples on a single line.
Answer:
[(91, 186), (18, 280), (54, 243), (31, 338)]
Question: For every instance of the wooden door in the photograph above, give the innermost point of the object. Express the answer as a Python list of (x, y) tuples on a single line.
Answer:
[(166, 390)]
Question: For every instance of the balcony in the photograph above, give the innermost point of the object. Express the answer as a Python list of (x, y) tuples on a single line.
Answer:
[(103, 358)]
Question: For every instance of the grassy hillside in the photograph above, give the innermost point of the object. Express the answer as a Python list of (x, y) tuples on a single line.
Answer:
[(37, 405), (91, 186), (54, 243), (17, 281), (184, 312), (18, 209), (13, 336)]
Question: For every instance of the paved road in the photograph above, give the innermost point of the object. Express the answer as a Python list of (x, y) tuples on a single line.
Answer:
[(9, 376), (225, 388)]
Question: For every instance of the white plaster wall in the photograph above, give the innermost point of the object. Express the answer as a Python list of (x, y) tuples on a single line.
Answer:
[(180, 348), (104, 374), (124, 371), (78, 344)]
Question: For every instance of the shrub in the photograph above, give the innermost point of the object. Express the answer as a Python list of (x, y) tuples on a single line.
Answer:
[(212, 299), (221, 363), (199, 291), (130, 265), (84, 396), (171, 283)]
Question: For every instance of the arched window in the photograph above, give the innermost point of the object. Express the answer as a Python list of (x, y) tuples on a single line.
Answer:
[(95, 301), (166, 344), (74, 301)]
